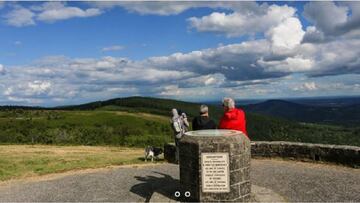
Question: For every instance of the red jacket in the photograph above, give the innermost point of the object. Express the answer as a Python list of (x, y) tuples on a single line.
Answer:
[(234, 120)]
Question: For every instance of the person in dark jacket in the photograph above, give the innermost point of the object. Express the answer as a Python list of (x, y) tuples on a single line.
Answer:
[(203, 121), (233, 118)]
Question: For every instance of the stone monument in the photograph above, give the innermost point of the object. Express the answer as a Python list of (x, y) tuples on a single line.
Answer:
[(215, 166)]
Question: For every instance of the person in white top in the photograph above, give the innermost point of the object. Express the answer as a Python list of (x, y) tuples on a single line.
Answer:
[(180, 126)]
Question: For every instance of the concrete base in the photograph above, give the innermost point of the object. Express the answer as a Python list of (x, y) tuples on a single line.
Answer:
[(259, 194)]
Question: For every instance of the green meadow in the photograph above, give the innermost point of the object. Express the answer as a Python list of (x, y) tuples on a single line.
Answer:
[(20, 161), (55, 127), (134, 128)]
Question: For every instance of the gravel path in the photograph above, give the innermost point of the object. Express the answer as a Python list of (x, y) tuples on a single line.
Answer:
[(296, 181), (299, 181)]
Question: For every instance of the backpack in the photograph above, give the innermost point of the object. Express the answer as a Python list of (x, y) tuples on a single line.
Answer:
[(176, 124)]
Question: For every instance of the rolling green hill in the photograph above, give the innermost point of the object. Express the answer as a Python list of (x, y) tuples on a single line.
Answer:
[(83, 128), (147, 105), (140, 121)]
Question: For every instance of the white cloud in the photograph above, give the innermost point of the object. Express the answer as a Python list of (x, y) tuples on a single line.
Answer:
[(332, 19), (2, 70), (55, 11), (38, 87), (25, 100), (308, 86), (216, 79), (166, 8), (259, 59), (113, 48), (287, 35), (158, 8), (174, 91), (248, 68), (17, 43), (20, 17), (29, 89), (326, 16), (49, 12), (243, 23), (337, 57), (210, 61), (57, 79), (313, 35), (290, 64)]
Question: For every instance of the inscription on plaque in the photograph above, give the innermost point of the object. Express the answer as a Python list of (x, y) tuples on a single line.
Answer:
[(215, 172)]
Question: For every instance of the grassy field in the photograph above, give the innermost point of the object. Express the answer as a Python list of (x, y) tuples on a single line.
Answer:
[(139, 129), (84, 128), (19, 161)]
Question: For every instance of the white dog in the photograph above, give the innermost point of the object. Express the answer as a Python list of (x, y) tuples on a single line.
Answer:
[(152, 152)]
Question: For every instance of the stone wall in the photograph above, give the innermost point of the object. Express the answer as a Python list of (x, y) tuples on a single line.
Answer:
[(347, 155)]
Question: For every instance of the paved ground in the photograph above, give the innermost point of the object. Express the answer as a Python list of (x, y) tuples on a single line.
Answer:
[(295, 181), (299, 181)]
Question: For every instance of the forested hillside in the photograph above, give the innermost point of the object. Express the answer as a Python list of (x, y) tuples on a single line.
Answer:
[(141, 121), (340, 115)]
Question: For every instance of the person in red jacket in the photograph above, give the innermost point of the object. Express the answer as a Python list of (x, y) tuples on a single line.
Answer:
[(233, 118)]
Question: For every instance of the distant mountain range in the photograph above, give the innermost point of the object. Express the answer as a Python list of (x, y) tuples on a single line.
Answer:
[(340, 115), (310, 101), (327, 101)]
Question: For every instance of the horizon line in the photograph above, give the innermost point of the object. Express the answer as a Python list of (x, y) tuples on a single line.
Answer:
[(192, 101)]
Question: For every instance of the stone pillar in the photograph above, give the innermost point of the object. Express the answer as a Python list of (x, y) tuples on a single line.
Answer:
[(170, 152), (215, 166)]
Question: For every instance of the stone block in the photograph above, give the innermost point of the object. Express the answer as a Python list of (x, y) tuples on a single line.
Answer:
[(233, 194), (237, 176), (236, 162), (238, 150), (245, 188), (246, 172), (223, 147), (246, 198), (210, 147)]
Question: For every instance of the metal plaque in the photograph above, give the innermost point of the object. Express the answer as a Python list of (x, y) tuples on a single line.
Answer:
[(215, 172)]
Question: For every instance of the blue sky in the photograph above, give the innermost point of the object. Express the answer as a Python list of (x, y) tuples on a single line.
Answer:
[(58, 53), (142, 35)]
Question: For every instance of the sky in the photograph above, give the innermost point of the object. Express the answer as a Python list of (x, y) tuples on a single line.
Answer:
[(61, 53)]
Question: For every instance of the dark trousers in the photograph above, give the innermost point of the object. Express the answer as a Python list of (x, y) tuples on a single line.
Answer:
[(177, 149)]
